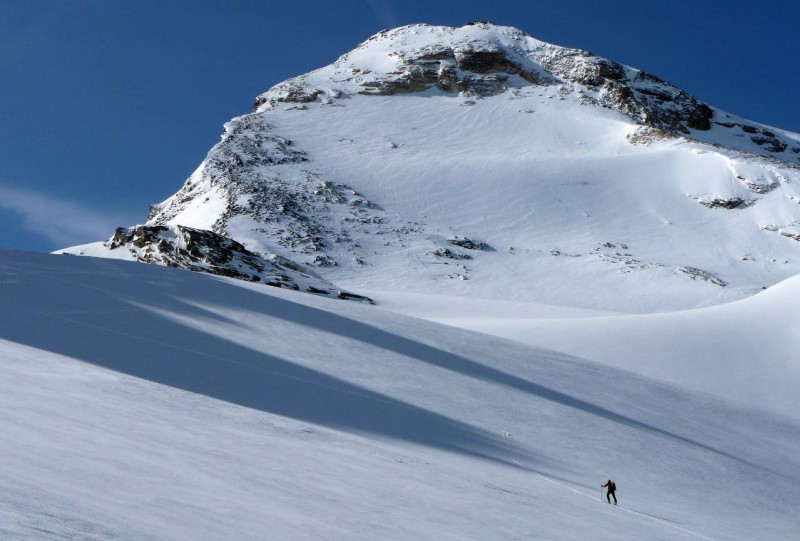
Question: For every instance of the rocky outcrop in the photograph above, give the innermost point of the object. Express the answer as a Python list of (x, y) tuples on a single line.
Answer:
[(299, 211), (291, 94), (205, 251), (640, 95), (470, 72), (483, 68), (760, 136), (470, 244), (791, 231), (705, 276), (728, 204), (447, 253), (248, 144)]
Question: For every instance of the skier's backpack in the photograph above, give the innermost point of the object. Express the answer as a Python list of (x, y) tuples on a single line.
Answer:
[(612, 486)]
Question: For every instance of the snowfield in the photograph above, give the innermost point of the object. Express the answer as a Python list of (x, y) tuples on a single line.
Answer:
[(744, 351), (142, 402)]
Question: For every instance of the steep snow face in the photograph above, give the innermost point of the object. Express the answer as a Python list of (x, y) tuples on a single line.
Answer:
[(586, 183)]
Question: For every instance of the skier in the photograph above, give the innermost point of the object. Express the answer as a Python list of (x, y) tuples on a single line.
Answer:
[(612, 489)]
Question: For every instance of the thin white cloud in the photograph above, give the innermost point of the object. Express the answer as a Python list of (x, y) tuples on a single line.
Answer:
[(384, 11), (62, 222)]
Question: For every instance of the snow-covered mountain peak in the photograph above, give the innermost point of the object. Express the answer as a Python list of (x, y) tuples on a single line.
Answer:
[(481, 59), (475, 47), (416, 58), (590, 183)]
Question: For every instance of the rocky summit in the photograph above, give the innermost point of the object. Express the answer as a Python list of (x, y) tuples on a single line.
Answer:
[(481, 162), (481, 60)]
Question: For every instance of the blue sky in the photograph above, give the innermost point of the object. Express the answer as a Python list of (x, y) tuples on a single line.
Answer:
[(107, 106)]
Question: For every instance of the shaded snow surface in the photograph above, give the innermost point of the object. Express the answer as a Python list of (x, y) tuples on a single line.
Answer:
[(745, 351), (143, 402)]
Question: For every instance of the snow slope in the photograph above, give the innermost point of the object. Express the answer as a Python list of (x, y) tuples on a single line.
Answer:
[(576, 215), (142, 402), (471, 176), (745, 351)]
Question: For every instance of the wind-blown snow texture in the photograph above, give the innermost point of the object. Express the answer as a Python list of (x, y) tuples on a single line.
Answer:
[(149, 403)]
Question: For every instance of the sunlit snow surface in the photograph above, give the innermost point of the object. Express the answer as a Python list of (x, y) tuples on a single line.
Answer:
[(152, 403), (148, 403), (576, 215)]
